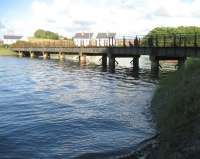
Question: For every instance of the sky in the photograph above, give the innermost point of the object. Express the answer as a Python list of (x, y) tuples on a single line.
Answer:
[(66, 17)]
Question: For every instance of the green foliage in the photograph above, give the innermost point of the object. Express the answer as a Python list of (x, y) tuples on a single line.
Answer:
[(176, 105), (171, 36), (42, 34)]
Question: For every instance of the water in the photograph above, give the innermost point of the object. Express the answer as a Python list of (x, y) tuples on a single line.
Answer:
[(50, 109)]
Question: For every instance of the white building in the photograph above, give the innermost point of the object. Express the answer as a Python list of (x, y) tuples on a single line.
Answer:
[(11, 39), (83, 39), (106, 39)]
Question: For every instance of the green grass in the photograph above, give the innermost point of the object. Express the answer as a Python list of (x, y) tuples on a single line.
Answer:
[(176, 106), (6, 52)]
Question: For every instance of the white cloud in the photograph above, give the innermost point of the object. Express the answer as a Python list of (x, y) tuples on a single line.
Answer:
[(122, 16)]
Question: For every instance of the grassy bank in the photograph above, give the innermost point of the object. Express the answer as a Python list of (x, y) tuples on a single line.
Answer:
[(176, 105), (6, 52)]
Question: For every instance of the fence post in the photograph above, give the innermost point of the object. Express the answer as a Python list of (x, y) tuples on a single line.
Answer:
[(180, 41), (164, 40), (174, 40), (195, 40), (124, 42), (185, 41), (156, 40)]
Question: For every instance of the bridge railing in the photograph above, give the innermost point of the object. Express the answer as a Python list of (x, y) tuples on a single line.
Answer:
[(159, 40)]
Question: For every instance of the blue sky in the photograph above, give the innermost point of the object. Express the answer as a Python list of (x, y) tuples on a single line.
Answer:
[(69, 16)]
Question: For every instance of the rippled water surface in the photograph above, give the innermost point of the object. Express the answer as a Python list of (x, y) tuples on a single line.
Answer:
[(51, 109)]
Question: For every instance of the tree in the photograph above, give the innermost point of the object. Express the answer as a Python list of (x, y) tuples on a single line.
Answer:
[(172, 36), (42, 34)]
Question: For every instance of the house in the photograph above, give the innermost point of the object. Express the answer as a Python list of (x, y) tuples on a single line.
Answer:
[(11, 39), (83, 39), (106, 39)]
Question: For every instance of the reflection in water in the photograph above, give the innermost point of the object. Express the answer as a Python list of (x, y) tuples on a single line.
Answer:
[(51, 109)]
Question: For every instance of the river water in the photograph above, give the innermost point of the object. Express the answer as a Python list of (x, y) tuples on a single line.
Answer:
[(51, 109)]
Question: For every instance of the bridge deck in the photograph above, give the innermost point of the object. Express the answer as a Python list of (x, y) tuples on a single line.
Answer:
[(121, 51)]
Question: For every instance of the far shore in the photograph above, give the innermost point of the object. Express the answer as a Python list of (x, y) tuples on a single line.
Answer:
[(6, 52)]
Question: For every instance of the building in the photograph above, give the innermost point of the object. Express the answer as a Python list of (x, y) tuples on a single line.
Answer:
[(11, 39), (106, 39), (83, 39)]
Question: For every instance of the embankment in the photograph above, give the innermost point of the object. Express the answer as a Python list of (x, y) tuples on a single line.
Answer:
[(6, 52), (176, 109), (176, 106)]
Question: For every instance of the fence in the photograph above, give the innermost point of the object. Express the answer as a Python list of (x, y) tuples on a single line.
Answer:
[(159, 40)]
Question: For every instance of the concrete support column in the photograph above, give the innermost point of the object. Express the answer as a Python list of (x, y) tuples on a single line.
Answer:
[(82, 59), (154, 64), (181, 62), (104, 61), (112, 63), (136, 62), (32, 55), (20, 54), (62, 56), (46, 55)]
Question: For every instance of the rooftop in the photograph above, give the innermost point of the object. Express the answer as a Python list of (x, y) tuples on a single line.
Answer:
[(83, 35), (105, 35), (14, 37)]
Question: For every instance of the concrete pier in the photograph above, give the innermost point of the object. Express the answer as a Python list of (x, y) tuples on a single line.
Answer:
[(82, 59), (20, 54), (32, 55), (61, 56), (46, 55)]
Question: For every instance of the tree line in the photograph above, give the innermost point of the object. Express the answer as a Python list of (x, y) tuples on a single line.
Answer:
[(43, 34), (173, 36)]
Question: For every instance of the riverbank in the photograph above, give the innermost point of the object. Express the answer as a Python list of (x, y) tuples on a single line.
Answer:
[(6, 52), (176, 109)]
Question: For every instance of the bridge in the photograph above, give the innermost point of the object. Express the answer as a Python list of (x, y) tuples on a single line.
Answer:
[(159, 47)]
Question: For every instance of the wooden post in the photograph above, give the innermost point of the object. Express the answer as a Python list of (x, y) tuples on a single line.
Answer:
[(104, 61), (112, 63), (181, 62), (154, 64), (136, 62)]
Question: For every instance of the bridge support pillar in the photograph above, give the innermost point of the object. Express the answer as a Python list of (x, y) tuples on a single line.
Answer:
[(181, 62), (62, 56), (32, 55), (104, 61), (20, 54), (82, 59), (154, 64), (46, 55), (112, 63), (136, 62)]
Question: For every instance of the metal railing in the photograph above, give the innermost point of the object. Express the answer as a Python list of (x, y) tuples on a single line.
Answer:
[(159, 40)]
